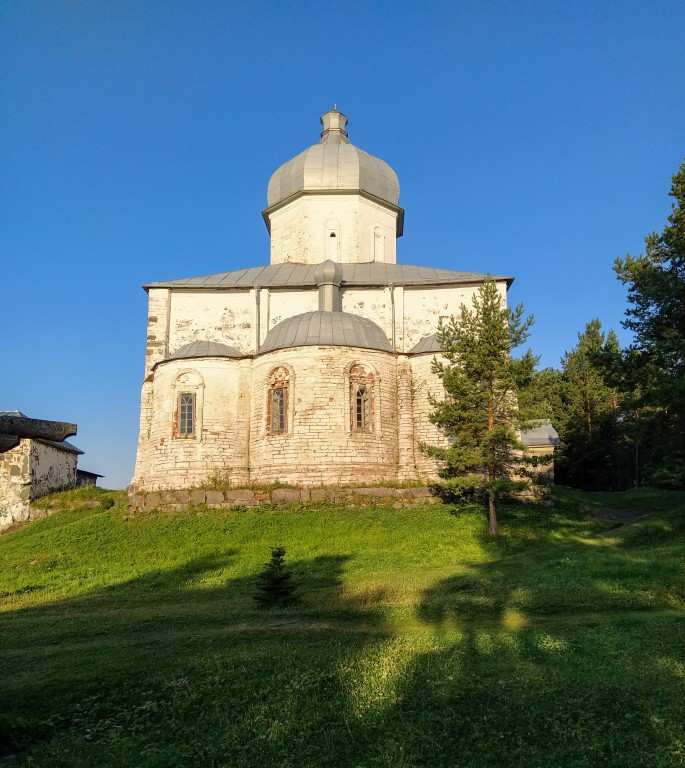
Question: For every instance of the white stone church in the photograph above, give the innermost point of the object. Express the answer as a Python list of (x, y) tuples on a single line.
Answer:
[(314, 369)]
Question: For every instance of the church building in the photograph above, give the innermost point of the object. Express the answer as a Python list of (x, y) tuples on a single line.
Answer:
[(316, 368)]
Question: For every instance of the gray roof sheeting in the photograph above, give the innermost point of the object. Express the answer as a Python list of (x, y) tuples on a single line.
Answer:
[(542, 434), (302, 276), (63, 446), (427, 344), (338, 329), (205, 349), (333, 164)]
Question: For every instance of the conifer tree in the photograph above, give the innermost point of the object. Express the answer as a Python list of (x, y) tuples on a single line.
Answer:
[(274, 582), (655, 362), (480, 412), (586, 414)]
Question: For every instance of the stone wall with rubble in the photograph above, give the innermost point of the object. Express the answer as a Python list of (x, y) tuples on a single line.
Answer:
[(319, 445), (181, 500), (15, 483), (219, 445), (232, 440), (425, 383), (30, 470)]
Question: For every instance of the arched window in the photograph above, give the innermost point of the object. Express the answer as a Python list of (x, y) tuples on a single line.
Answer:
[(188, 393), (277, 402), (186, 414), (332, 246), (361, 399)]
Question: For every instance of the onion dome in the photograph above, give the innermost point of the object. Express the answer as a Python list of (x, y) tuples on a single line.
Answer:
[(205, 349), (427, 344), (337, 329), (334, 164)]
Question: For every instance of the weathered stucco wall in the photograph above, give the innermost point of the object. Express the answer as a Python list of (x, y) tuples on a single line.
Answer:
[(51, 468), (227, 317), (15, 483), (425, 383), (319, 445), (301, 231), (219, 443), (32, 469)]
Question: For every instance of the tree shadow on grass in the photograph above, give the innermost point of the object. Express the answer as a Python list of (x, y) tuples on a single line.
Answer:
[(530, 659)]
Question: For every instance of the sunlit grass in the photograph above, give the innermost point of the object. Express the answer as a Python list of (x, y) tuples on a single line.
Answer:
[(418, 641)]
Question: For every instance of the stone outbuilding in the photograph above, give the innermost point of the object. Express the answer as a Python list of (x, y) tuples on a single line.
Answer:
[(315, 368), (33, 468)]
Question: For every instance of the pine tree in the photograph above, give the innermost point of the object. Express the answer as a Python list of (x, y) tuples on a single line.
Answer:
[(586, 414), (480, 412), (656, 359), (274, 582)]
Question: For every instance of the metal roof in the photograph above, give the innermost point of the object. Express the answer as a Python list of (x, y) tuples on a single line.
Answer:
[(427, 344), (338, 329), (302, 276), (205, 349), (540, 435), (64, 445), (334, 164)]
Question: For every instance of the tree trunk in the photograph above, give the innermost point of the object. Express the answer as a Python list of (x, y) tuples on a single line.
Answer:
[(494, 528)]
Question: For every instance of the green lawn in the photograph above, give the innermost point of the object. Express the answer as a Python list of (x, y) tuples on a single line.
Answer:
[(417, 641)]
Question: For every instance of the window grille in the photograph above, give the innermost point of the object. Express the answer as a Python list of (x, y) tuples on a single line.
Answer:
[(362, 420), (278, 405), (186, 414)]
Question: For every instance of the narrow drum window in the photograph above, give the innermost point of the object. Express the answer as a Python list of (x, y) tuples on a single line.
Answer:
[(362, 420), (186, 414), (332, 247), (278, 405)]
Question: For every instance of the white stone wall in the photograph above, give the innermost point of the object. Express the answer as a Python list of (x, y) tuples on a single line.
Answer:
[(320, 446), (425, 383), (300, 231), (51, 469), (15, 483), (157, 347), (219, 445), (227, 317), (424, 307), (31, 470)]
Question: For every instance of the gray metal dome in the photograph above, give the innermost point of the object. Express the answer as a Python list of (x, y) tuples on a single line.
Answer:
[(427, 344), (205, 349), (337, 329), (333, 164)]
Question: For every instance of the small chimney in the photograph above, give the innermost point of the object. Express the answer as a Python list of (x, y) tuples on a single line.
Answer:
[(328, 276)]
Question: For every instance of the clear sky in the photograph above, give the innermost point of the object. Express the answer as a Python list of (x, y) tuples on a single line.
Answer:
[(533, 139)]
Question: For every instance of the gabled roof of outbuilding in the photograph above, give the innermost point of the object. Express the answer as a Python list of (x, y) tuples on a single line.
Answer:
[(302, 276), (543, 433), (204, 349), (337, 329), (64, 445)]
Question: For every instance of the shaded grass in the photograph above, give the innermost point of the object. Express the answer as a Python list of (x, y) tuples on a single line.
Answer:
[(418, 641)]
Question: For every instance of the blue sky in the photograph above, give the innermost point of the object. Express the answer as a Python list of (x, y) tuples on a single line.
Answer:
[(535, 139)]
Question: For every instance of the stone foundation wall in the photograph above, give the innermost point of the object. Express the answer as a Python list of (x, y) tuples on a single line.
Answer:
[(188, 499)]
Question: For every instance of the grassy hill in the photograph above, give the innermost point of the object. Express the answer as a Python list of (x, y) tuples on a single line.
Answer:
[(417, 641)]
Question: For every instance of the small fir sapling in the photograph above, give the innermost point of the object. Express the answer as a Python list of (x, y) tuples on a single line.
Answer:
[(274, 584)]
